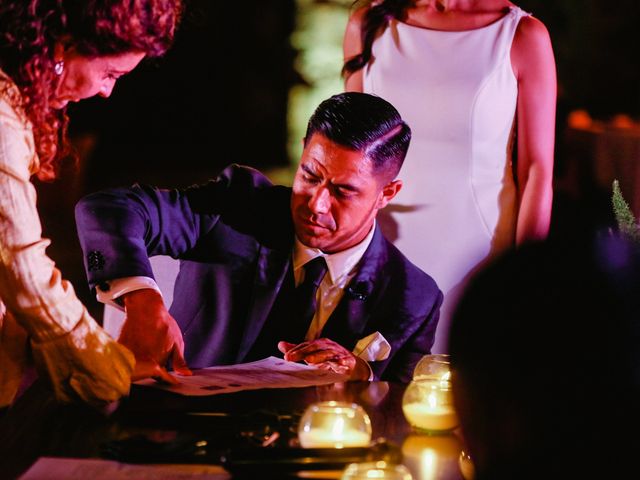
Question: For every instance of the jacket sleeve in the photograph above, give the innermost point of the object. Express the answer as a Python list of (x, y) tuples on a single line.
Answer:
[(36, 296), (119, 229)]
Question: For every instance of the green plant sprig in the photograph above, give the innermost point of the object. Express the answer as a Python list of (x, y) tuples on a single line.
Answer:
[(627, 224)]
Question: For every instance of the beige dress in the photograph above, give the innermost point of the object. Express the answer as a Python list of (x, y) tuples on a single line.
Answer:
[(41, 319)]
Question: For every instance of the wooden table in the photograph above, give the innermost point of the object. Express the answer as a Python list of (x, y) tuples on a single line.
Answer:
[(37, 426)]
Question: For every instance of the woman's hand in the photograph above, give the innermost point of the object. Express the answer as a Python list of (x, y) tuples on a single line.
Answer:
[(153, 336)]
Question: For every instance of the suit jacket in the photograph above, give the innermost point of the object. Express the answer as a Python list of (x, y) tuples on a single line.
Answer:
[(234, 237)]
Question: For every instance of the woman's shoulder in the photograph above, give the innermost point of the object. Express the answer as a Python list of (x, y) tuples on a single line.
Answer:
[(533, 62), (17, 149), (358, 13), (531, 43), (11, 103), (357, 18), (531, 29)]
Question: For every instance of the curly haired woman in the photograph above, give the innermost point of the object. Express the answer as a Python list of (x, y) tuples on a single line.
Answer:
[(53, 52)]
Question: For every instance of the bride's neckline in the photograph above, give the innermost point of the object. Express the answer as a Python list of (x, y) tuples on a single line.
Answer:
[(508, 11)]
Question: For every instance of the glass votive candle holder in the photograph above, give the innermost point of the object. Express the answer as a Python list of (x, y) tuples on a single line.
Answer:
[(435, 366), (427, 405), (334, 425), (376, 470)]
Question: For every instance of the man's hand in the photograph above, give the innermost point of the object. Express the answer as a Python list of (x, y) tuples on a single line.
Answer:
[(153, 336), (328, 355)]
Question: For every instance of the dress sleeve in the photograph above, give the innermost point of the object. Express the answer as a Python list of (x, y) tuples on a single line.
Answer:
[(69, 347)]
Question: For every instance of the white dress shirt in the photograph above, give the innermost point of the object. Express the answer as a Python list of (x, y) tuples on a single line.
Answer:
[(342, 267)]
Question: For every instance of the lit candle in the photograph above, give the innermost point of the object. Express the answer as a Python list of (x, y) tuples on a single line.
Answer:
[(433, 366), (334, 425), (427, 405), (318, 438), (432, 418)]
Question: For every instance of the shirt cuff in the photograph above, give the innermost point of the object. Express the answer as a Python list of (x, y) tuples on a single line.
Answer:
[(110, 292)]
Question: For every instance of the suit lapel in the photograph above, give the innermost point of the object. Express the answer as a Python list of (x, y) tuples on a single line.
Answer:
[(348, 321), (271, 270)]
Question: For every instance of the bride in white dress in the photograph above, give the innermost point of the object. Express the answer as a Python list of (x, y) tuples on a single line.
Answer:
[(476, 82)]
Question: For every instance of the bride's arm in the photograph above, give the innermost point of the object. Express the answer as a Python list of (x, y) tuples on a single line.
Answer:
[(534, 65)]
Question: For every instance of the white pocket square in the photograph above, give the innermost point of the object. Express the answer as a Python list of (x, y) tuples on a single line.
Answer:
[(372, 348)]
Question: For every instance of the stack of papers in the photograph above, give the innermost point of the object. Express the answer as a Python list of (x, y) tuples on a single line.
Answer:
[(271, 372)]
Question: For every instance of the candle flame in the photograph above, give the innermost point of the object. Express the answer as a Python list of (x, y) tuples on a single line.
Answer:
[(338, 428), (432, 399), (375, 473)]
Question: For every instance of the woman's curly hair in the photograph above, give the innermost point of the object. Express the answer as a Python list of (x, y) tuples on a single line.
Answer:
[(29, 30)]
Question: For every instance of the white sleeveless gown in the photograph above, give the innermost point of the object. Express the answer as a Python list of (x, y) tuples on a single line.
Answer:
[(458, 93)]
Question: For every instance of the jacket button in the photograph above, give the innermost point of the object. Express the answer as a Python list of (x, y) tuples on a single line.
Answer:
[(95, 261)]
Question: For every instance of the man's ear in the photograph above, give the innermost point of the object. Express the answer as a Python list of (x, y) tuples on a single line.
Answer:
[(389, 191)]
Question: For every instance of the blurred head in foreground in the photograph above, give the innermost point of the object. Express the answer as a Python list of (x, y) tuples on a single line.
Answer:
[(545, 350)]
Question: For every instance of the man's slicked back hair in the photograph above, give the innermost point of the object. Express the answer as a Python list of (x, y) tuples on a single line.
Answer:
[(365, 123)]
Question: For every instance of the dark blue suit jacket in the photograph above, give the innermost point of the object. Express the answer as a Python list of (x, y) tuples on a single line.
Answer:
[(234, 237)]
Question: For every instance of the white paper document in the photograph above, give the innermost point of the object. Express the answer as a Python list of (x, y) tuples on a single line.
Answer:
[(50, 468), (271, 372)]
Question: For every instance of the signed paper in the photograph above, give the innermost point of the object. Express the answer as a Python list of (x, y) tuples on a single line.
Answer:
[(270, 372), (49, 468)]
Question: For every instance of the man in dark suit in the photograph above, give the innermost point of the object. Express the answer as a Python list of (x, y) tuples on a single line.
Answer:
[(267, 269)]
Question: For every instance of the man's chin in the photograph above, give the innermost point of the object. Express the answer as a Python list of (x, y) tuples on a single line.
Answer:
[(313, 241)]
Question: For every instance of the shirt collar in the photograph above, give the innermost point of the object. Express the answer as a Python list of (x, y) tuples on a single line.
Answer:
[(340, 263)]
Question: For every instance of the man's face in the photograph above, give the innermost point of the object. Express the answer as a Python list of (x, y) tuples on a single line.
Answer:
[(336, 196)]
